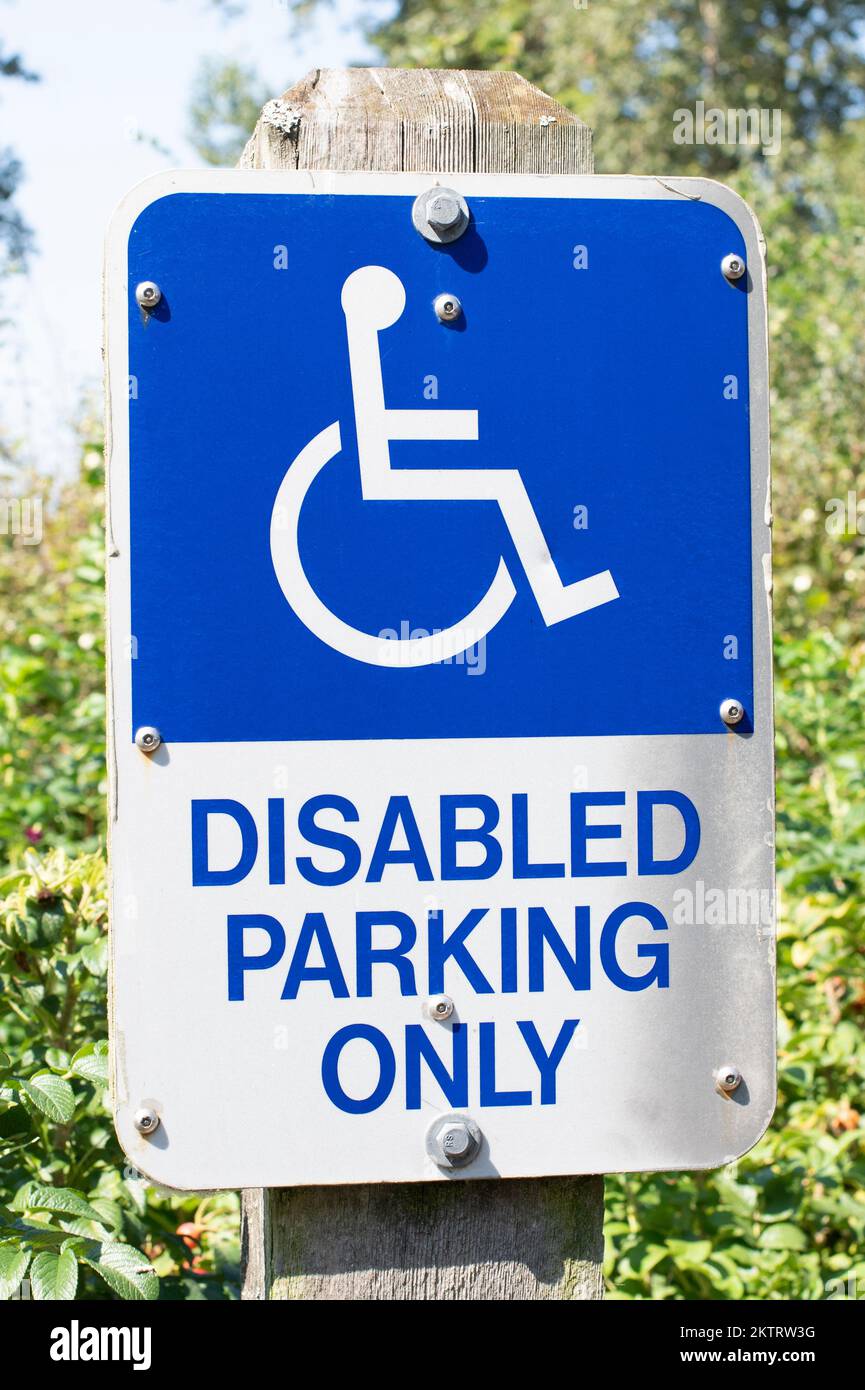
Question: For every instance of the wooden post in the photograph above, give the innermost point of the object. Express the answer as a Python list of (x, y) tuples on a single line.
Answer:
[(538, 1238)]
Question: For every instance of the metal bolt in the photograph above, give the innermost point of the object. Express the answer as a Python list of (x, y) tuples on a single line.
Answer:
[(440, 215), (727, 1078), (453, 1141), (147, 738), (447, 307), (146, 1121), (732, 711), (733, 267), (443, 212), (148, 294), (439, 1007)]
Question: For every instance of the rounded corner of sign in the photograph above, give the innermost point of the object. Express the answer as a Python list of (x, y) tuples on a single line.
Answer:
[(138, 199), (750, 1140), (764, 1123), (713, 193), (141, 1155)]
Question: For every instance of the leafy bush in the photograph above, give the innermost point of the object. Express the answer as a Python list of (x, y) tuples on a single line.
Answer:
[(52, 672), (71, 1207)]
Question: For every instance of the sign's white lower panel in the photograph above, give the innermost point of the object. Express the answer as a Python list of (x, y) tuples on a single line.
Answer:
[(613, 948)]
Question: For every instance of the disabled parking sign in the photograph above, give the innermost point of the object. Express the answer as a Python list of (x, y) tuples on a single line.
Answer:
[(441, 730)]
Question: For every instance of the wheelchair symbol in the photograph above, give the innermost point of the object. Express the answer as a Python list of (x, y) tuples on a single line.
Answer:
[(373, 299)]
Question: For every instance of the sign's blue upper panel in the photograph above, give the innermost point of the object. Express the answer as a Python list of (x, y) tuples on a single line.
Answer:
[(612, 380)]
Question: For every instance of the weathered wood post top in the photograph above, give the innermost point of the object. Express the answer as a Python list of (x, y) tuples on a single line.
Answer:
[(442, 121)]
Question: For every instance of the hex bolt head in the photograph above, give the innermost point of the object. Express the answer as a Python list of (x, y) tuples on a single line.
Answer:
[(733, 267), (147, 738), (148, 294), (439, 1008), (732, 712), (453, 1141), (447, 307), (456, 1142), (443, 212), (440, 215), (727, 1078), (146, 1120)]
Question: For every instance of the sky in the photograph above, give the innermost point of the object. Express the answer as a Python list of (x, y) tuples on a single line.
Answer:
[(109, 69)]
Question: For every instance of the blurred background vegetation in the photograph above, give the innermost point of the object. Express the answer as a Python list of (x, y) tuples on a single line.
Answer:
[(786, 1221)]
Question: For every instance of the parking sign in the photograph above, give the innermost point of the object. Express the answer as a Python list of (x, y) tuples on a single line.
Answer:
[(441, 686)]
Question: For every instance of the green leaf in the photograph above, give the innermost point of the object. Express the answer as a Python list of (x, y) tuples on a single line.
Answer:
[(125, 1270), (110, 1213), (741, 1198), (63, 1200), (13, 1228), (13, 1267), (784, 1236), (5, 1062), (136, 1190), (54, 1277), (91, 1063), (51, 1095), (94, 957), (690, 1253)]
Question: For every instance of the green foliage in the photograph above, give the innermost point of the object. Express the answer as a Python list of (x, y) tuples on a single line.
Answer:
[(74, 1216), (814, 224), (52, 672), (226, 100), (59, 1175)]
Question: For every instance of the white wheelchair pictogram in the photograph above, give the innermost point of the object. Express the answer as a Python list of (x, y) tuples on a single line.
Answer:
[(373, 299)]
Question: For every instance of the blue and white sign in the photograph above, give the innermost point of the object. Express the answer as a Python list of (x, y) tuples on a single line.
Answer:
[(441, 698)]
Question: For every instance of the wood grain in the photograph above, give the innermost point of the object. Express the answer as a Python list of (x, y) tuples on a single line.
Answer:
[(515, 1240), (444, 121)]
